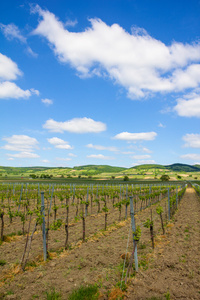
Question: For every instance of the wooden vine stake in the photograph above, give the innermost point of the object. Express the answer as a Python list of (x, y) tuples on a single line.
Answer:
[(136, 237), (43, 227), (67, 222)]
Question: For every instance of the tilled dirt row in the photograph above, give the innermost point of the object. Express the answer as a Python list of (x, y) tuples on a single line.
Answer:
[(96, 261), (12, 252), (174, 271)]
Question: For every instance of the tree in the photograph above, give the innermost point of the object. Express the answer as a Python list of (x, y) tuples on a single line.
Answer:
[(165, 178), (126, 178)]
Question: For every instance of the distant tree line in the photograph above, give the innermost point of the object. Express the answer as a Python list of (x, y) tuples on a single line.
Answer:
[(41, 176)]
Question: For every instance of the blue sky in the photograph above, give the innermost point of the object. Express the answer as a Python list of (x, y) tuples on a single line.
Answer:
[(112, 82)]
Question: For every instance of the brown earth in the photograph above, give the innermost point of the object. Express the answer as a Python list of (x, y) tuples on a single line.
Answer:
[(175, 266), (172, 268)]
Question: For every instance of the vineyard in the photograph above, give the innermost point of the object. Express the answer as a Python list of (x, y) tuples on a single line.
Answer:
[(44, 226)]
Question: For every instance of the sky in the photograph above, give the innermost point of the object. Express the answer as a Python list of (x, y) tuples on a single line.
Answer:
[(112, 82)]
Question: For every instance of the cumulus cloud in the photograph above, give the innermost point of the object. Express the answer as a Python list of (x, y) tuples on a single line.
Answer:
[(22, 143), (145, 162), (25, 155), (72, 155), (191, 156), (140, 157), (136, 61), (9, 71), (46, 161), (11, 90), (47, 102), (146, 150), (76, 125), (63, 159), (189, 106), (192, 140), (142, 136), (8, 68), (59, 143), (99, 147), (35, 92), (100, 156), (128, 152)]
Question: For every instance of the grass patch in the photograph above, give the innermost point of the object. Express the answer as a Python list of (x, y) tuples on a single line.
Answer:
[(31, 264), (2, 262), (12, 234), (85, 293), (53, 295)]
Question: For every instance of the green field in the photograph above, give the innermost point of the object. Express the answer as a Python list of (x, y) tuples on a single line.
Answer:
[(103, 173)]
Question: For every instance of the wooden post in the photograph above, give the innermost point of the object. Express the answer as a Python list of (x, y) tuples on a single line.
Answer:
[(20, 197), (43, 227), (176, 197), (168, 205), (133, 229)]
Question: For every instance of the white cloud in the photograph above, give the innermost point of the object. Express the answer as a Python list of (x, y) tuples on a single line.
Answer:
[(146, 150), (47, 101), (31, 52), (11, 31), (99, 147), (11, 90), (35, 92), (188, 107), (46, 161), (136, 61), (192, 140), (140, 157), (10, 71), (8, 68), (161, 125), (76, 125), (72, 155), (144, 162), (128, 152), (70, 23), (99, 156), (142, 136), (63, 159), (24, 155), (59, 143), (22, 143), (191, 156)]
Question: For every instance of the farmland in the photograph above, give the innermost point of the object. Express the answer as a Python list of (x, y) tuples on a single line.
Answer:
[(87, 228), (100, 172)]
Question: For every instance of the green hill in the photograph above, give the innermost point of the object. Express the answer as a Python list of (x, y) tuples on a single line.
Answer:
[(98, 169), (182, 168), (92, 170), (148, 166)]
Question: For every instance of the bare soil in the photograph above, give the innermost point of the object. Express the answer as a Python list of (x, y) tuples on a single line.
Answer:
[(175, 266), (172, 268)]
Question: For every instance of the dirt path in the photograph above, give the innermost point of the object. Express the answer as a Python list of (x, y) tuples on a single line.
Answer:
[(174, 272)]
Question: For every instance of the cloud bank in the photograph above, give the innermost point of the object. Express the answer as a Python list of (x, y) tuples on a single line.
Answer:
[(136, 61), (76, 125)]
